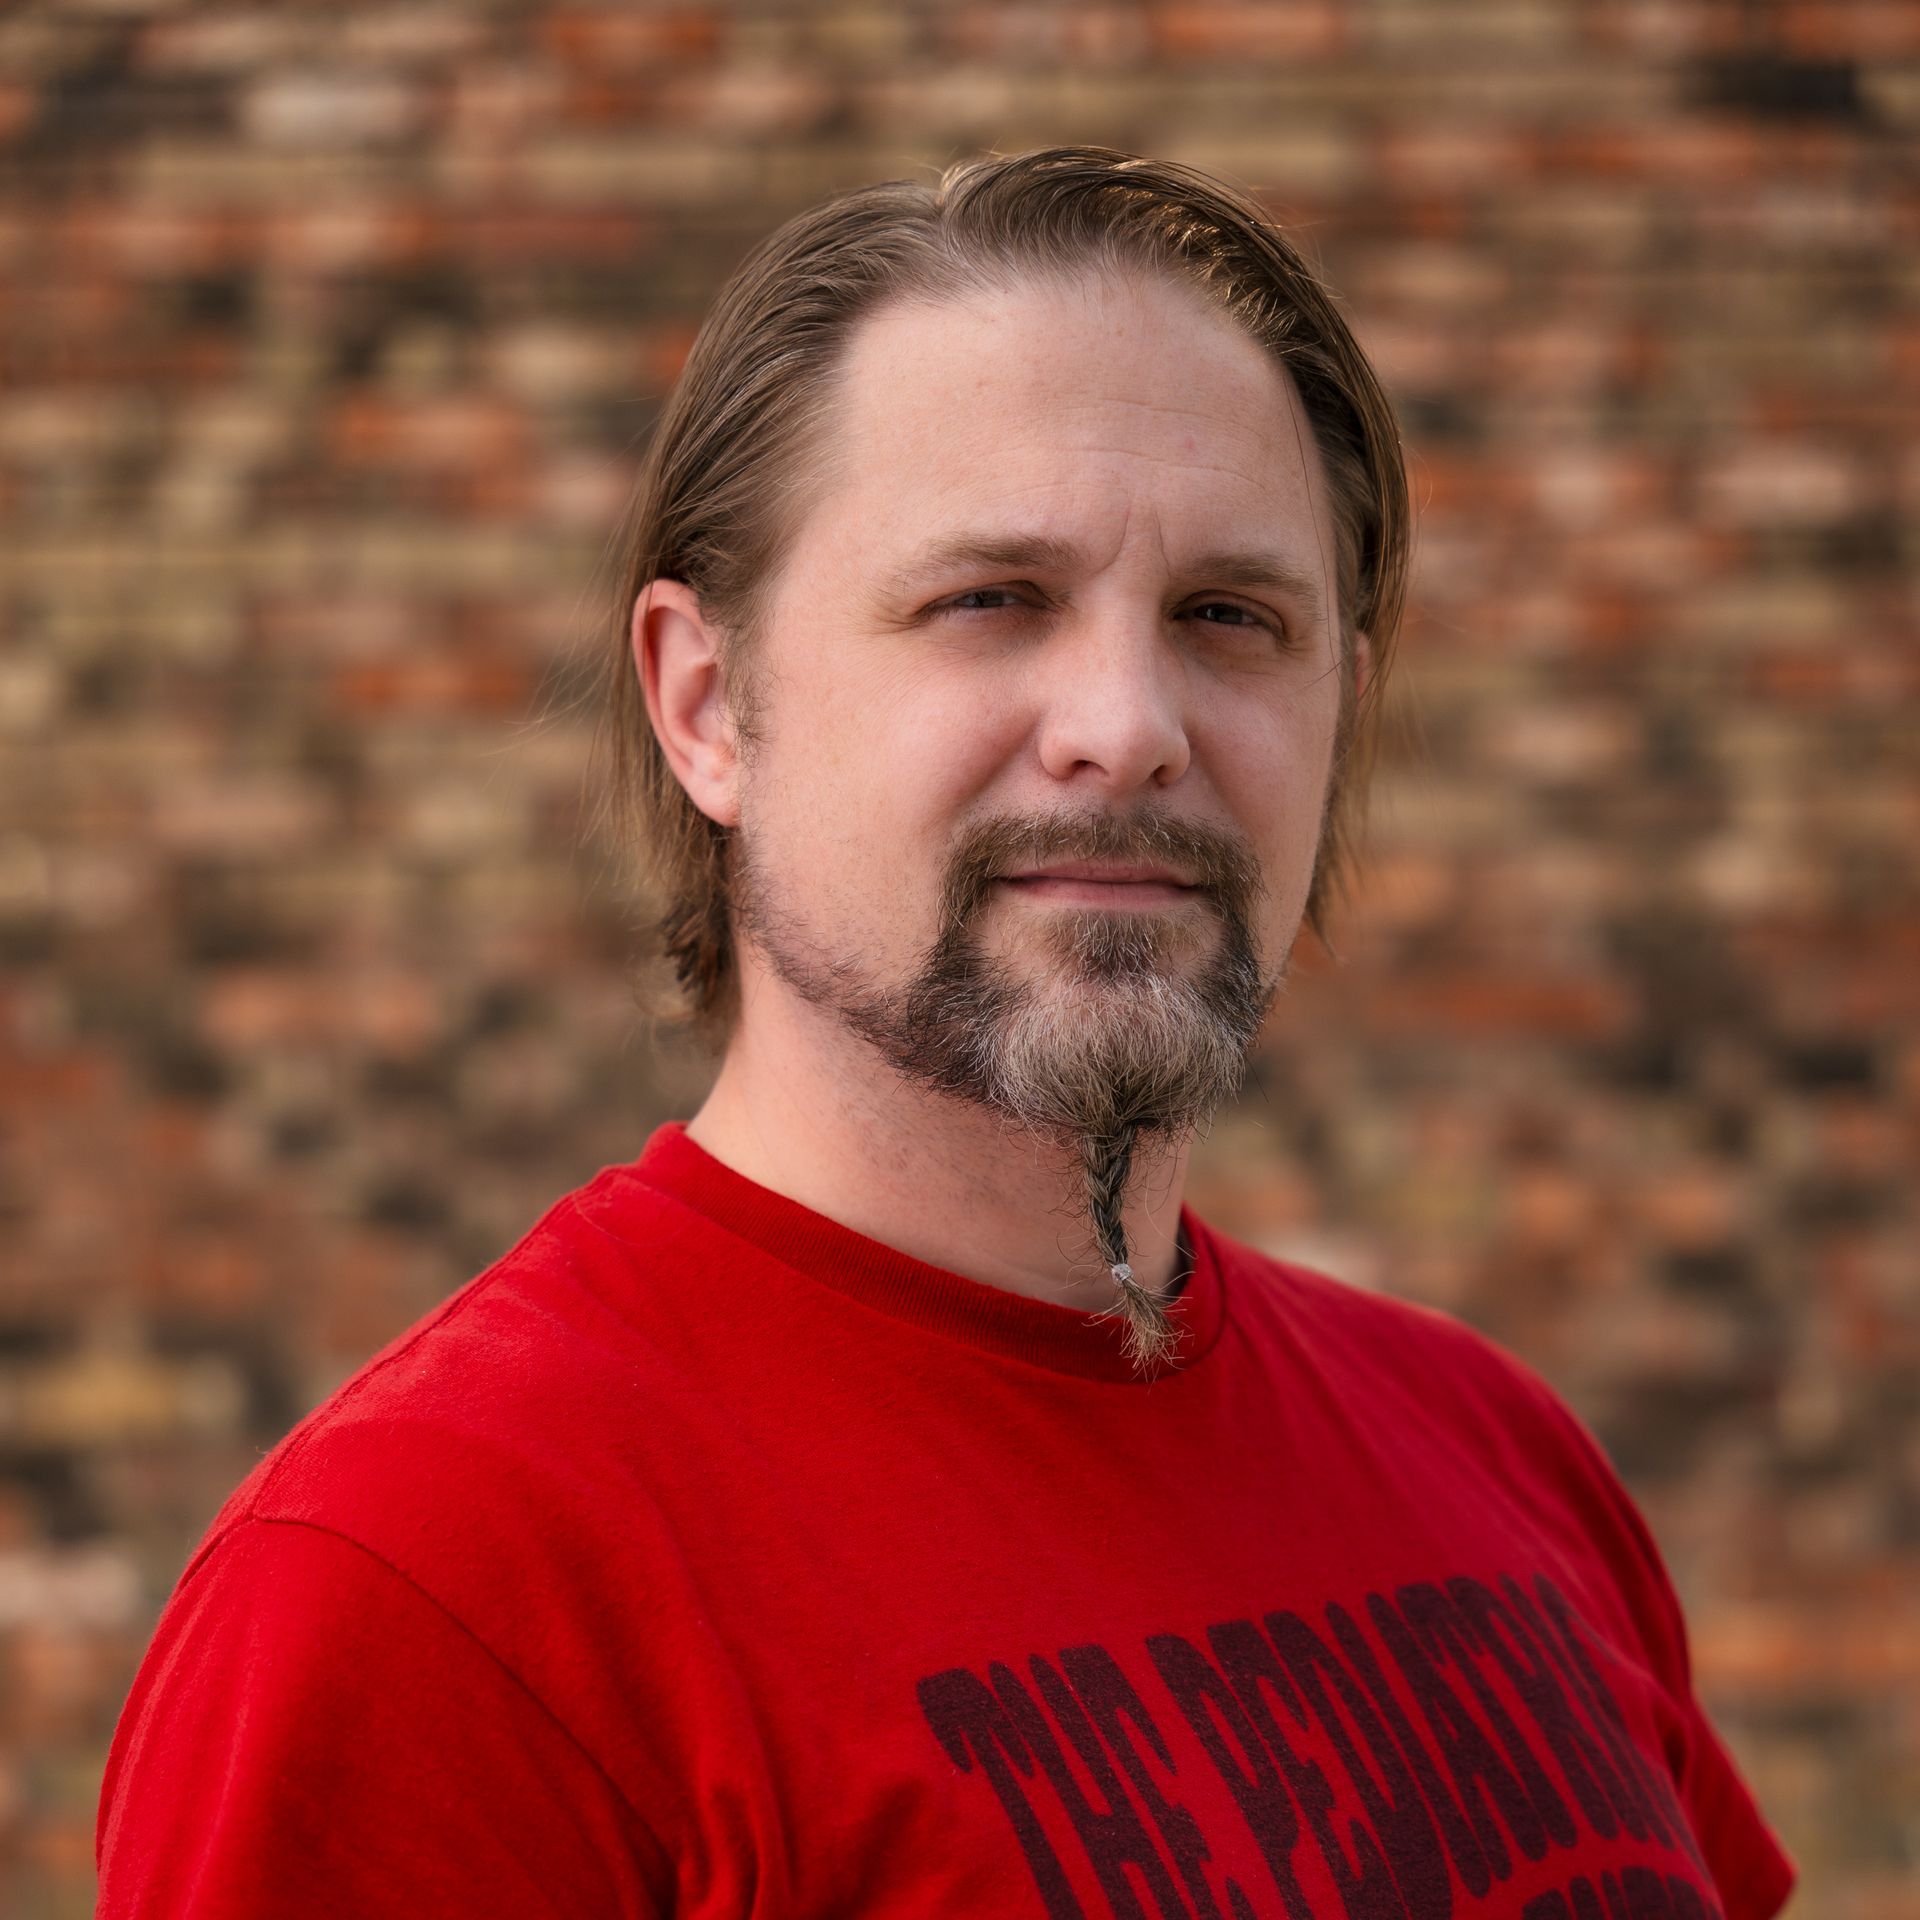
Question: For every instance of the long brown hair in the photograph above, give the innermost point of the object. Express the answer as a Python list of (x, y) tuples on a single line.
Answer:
[(727, 467)]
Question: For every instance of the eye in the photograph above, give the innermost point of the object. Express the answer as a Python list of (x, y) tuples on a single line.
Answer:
[(972, 593), (959, 603), (1248, 618)]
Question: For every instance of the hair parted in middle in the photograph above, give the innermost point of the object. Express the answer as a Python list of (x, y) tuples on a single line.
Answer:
[(741, 443)]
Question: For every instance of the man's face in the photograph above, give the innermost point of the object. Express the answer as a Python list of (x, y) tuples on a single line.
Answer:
[(1021, 629)]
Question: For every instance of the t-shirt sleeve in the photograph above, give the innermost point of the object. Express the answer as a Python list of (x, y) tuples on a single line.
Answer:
[(311, 1734), (1752, 1870)]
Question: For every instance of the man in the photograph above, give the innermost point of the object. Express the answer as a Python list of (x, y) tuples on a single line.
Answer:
[(884, 1496)]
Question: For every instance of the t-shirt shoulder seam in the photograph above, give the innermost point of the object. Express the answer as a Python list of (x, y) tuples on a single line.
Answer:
[(323, 1416), (1512, 1370), (1362, 1299), (664, 1858)]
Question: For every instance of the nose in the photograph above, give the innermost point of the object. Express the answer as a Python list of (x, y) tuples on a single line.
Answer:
[(1113, 710)]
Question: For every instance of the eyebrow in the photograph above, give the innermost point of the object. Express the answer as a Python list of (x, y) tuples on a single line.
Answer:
[(1224, 567)]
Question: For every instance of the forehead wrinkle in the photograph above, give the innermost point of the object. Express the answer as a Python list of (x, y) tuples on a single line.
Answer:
[(1186, 463), (1230, 423), (1121, 397)]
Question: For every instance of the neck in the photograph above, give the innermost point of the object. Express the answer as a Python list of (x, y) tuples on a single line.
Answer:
[(803, 1107)]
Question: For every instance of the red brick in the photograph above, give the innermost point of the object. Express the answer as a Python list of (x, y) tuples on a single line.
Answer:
[(1209, 30), (616, 38)]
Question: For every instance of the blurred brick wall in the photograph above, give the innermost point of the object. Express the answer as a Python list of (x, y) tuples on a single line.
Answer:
[(326, 343)]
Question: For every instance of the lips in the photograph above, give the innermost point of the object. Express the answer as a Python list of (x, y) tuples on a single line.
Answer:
[(1110, 889), (1106, 875)]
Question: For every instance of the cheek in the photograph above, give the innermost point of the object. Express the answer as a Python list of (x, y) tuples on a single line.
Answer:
[(820, 752), (892, 713), (919, 744), (1272, 773), (1273, 763), (861, 789)]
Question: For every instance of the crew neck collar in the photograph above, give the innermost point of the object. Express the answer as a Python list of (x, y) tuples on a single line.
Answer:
[(1039, 1332)]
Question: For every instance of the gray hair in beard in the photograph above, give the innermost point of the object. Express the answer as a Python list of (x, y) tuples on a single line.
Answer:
[(1160, 1048)]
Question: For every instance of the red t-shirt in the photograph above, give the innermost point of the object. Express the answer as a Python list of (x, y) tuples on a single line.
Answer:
[(704, 1556)]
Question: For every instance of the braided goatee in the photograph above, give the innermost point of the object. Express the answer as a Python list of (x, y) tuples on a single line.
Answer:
[(1150, 1333), (1099, 1033)]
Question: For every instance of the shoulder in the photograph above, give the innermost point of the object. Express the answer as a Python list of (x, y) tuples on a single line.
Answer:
[(1378, 1340), (319, 1689), (477, 1419), (1455, 1386), (470, 1496)]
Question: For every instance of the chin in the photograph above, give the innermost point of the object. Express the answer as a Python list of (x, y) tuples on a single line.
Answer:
[(1099, 950)]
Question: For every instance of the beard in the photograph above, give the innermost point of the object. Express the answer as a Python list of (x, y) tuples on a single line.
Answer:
[(1116, 1041)]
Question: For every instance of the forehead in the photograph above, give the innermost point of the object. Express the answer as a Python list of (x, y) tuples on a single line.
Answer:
[(1077, 410)]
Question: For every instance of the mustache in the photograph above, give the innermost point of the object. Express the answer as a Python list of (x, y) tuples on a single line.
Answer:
[(1223, 866)]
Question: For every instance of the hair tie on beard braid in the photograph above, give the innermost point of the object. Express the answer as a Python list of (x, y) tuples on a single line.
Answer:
[(1150, 1335)]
